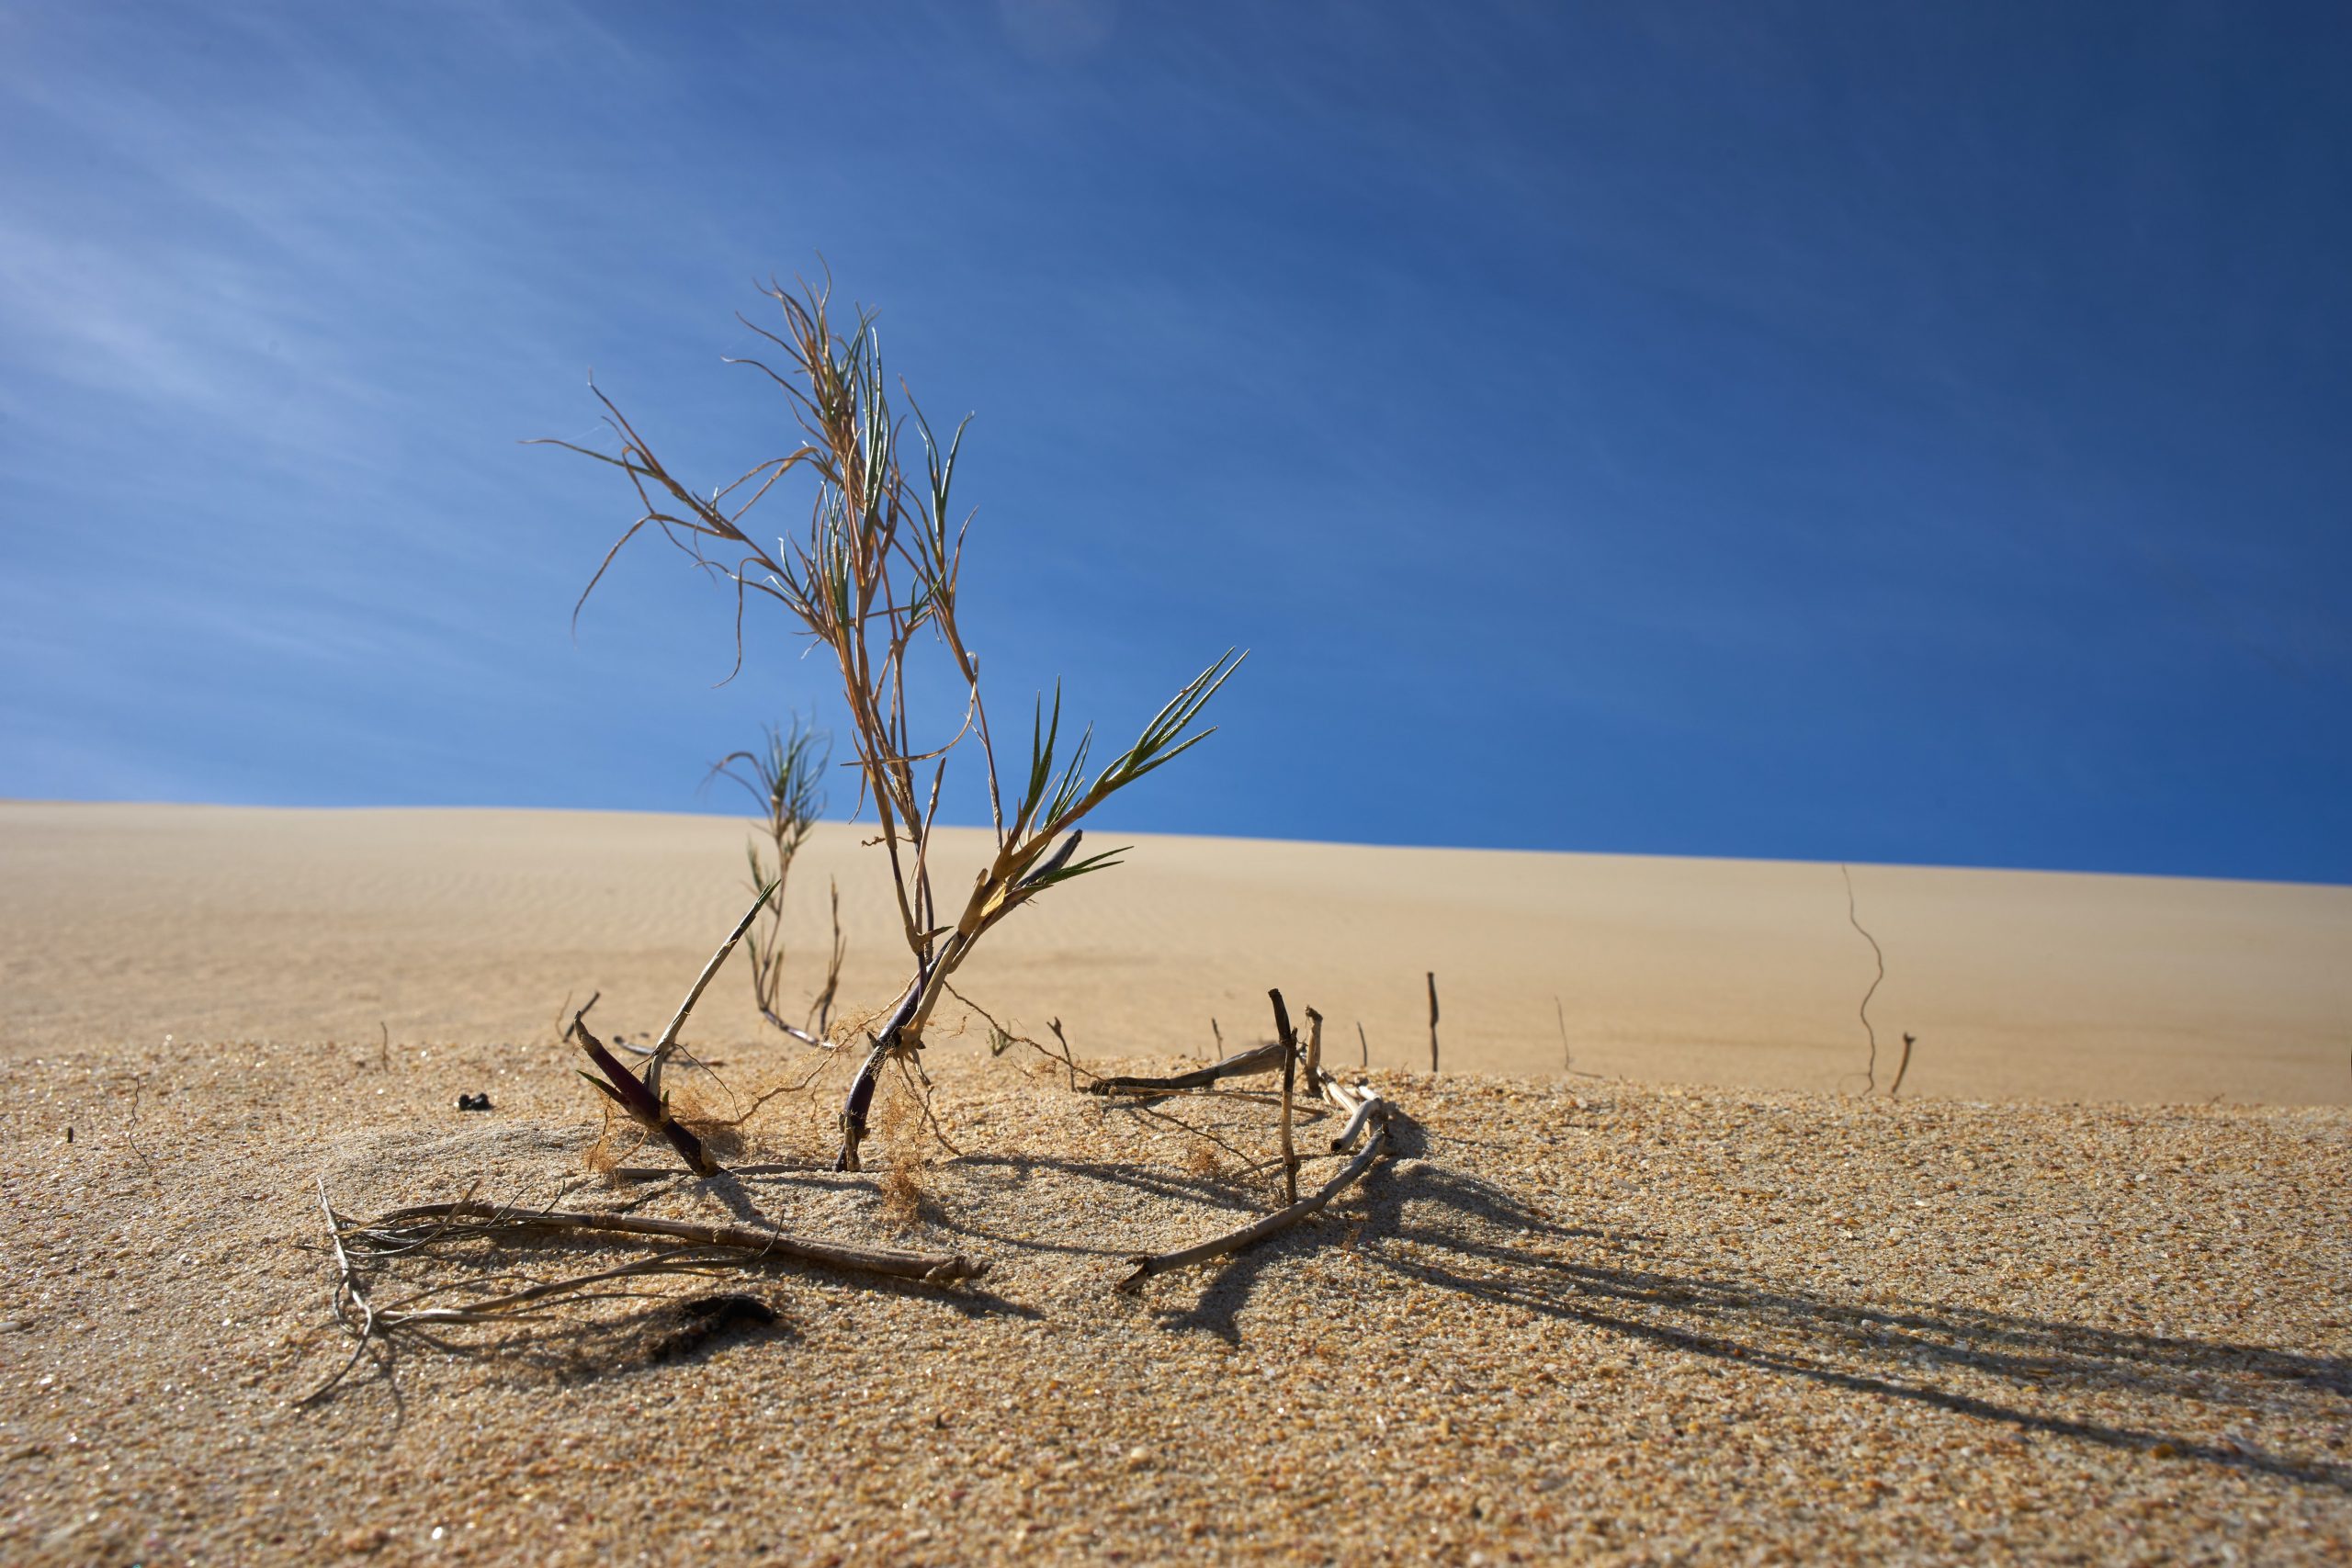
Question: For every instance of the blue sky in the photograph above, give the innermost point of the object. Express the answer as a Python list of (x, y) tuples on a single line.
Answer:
[(1846, 433)]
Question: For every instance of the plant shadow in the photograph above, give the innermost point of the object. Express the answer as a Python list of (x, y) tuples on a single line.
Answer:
[(1469, 1236)]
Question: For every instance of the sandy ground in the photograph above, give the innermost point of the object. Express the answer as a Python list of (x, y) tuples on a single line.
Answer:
[(1601, 1318)]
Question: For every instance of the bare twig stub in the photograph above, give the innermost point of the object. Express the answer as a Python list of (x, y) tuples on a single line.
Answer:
[(1433, 1024), (1363, 1113), (1895, 1089)]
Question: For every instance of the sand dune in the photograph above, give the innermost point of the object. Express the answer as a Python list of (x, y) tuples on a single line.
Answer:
[(1569, 1319), (124, 923)]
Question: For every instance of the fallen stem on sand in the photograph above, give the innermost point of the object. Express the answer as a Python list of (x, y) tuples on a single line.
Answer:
[(1258, 1230), (932, 1267), (1258, 1059), (1365, 1105)]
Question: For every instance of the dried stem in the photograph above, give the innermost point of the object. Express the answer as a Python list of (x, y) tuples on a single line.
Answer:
[(404, 1225), (820, 1010), (347, 1297), (668, 1043), (1871, 1071), (1001, 1039), (1289, 1044)]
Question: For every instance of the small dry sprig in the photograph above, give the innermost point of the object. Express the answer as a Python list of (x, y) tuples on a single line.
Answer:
[(784, 776)]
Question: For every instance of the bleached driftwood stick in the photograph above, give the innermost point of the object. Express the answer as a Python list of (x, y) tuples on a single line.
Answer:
[(1363, 1112)]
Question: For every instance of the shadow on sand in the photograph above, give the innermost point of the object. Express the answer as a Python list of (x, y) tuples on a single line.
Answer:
[(1472, 1236)]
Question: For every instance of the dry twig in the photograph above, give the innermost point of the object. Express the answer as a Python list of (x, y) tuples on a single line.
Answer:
[(1366, 1106)]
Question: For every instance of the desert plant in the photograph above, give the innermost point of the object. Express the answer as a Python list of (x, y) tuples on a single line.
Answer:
[(880, 563), (784, 777)]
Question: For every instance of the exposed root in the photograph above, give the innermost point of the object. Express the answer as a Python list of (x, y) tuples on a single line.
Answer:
[(681, 1247), (903, 1197)]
